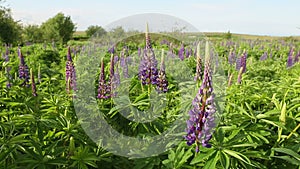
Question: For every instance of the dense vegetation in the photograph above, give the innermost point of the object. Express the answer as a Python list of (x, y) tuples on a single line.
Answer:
[(258, 127), (44, 107)]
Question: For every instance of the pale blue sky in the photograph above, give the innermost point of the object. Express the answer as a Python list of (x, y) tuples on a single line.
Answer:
[(263, 17)]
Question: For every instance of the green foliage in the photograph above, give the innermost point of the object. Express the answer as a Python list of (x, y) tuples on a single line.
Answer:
[(117, 32), (95, 30), (10, 31), (259, 127), (59, 28), (32, 33), (228, 35)]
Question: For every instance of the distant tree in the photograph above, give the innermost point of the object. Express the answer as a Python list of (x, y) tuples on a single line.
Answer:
[(95, 30), (32, 33), (117, 32), (59, 28), (10, 30), (228, 35)]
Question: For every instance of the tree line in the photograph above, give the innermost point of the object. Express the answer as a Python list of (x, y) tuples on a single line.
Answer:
[(59, 28)]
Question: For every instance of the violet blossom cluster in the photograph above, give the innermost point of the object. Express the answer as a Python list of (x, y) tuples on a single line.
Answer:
[(202, 116), (7, 69), (103, 87), (70, 72), (148, 72), (181, 52), (33, 86), (107, 89), (290, 59), (231, 57), (162, 82), (23, 69), (199, 69), (264, 56)]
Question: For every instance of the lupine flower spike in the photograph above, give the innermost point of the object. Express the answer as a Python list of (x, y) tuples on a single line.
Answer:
[(181, 52), (33, 87), (202, 116), (148, 66), (231, 56), (264, 56), (239, 80), (70, 72), (7, 69), (102, 87), (244, 61), (123, 63), (238, 64), (199, 71), (162, 82), (297, 57), (290, 59), (114, 79), (23, 69)]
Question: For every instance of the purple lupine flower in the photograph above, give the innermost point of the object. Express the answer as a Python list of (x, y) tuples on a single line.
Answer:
[(290, 58), (271, 55), (191, 52), (124, 65), (114, 80), (70, 72), (170, 53), (7, 69), (33, 87), (187, 53), (199, 69), (162, 82), (289, 61), (238, 64), (181, 52), (264, 56), (6, 54), (117, 81), (148, 65), (116, 59), (148, 68), (23, 69), (239, 80), (111, 50), (202, 116), (103, 88), (147, 38), (231, 57), (8, 85), (244, 61), (297, 57), (165, 42)]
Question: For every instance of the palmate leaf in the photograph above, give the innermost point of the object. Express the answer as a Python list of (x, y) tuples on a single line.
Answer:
[(176, 159), (289, 159), (288, 152), (212, 160), (4, 154), (83, 158), (237, 155), (147, 163), (202, 156), (224, 160)]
